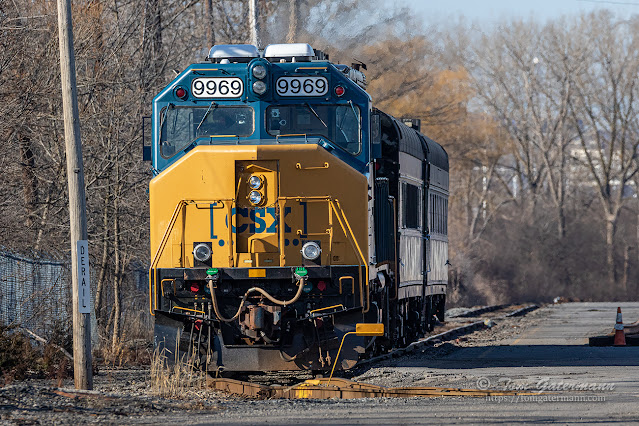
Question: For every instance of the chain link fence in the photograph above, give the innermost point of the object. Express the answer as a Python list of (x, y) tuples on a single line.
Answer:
[(34, 293)]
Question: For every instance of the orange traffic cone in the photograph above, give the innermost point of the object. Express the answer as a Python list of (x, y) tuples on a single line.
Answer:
[(620, 336)]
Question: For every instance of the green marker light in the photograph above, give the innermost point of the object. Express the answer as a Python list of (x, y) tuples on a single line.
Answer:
[(301, 272)]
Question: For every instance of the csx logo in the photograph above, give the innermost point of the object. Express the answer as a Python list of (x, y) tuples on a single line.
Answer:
[(255, 220), (260, 220)]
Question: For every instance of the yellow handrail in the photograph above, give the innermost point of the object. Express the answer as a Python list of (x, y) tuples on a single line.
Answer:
[(165, 238), (346, 277), (162, 285), (327, 308), (176, 213), (357, 249), (335, 207), (299, 166), (189, 309)]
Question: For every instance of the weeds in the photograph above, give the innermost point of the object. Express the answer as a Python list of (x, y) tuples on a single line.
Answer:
[(20, 359), (175, 378)]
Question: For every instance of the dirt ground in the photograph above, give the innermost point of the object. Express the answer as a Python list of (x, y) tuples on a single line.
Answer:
[(127, 396)]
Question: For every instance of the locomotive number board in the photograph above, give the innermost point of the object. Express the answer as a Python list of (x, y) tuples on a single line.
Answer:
[(217, 87), (301, 86)]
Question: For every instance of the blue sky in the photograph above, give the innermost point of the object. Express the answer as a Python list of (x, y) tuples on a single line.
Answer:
[(491, 11)]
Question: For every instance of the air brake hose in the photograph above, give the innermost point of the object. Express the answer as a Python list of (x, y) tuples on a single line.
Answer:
[(300, 287)]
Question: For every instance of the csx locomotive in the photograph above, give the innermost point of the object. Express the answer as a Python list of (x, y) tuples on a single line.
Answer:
[(285, 209)]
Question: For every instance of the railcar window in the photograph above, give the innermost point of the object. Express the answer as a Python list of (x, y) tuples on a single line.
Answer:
[(180, 126), (412, 206), (338, 123), (438, 214)]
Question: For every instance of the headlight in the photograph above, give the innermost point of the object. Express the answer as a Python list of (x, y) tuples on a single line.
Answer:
[(255, 197), (202, 252), (259, 71), (255, 182), (311, 250), (259, 87)]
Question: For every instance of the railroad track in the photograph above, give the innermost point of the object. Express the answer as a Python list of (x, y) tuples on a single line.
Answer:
[(283, 384), (498, 312)]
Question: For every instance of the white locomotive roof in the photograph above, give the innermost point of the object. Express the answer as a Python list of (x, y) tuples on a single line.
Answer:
[(288, 50), (234, 51)]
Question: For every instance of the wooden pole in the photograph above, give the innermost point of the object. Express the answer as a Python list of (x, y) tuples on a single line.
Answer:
[(292, 21), (254, 23), (82, 362)]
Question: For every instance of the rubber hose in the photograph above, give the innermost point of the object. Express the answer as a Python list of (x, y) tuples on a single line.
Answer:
[(300, 287), (286, 357)]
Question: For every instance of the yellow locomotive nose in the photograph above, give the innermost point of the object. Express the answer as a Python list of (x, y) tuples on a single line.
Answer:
[(259, 206)]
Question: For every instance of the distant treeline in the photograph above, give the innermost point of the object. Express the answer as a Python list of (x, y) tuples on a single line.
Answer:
[(540, 122)]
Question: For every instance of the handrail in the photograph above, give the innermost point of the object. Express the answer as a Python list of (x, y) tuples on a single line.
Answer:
[(162, 285), (310, 68), (176, 213), (308, 198), (346, 277), (327, 308), (298, 166), (165, 238), (189, 309), (335, 206), (395, 224), (357, 249), (361, 254)]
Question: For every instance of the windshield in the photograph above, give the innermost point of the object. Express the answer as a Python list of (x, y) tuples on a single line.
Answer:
[(180, 126), (338, 123)]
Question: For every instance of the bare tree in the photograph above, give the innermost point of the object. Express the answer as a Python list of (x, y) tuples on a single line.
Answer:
[(524, 76), (604, 112)]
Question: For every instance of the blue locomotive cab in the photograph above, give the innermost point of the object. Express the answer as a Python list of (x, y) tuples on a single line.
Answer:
[(287, 94)]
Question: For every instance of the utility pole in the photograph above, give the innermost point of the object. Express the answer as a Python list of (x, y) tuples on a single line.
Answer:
[(82, 362), (292, 21), (254, 23)]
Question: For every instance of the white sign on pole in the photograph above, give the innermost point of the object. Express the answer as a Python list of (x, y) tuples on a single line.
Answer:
[(84, 283)]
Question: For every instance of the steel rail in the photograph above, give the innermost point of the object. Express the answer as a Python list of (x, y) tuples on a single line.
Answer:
[(344, 389)]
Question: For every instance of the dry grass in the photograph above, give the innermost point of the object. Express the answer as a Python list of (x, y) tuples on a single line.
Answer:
[(175, 378), (132, 348)]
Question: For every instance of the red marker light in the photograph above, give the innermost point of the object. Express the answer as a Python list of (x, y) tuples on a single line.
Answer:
[(321, 286), (195, 287), (339, 90), (180, 93)]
